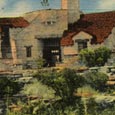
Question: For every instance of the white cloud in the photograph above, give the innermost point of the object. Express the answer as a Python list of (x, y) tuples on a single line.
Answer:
[(2, 3), (106, 5), (17, 9), (21, 7)]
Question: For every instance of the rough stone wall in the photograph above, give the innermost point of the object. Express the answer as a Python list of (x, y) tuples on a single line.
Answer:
[(22, 39), (48, 23), (43, 24), (73, 11), (110, 41), (95, 46)]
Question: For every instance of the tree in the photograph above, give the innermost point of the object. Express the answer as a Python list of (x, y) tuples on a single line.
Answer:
[(64, 83), (60, 86), (88, 57), (8, 87), (45, 2), (101, 55)]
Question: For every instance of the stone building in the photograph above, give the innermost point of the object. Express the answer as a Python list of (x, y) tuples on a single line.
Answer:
[(36, 34), (53, 34), (90, 31)]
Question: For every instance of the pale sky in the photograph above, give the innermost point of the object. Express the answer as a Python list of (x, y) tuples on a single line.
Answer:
[(19, 7)]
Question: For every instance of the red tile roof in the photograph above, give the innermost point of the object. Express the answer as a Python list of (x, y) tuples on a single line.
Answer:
[(67, 39), (99, 25), (14, 22)]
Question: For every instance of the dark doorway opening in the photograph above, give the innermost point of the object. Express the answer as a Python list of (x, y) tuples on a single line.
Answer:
[(51, 51), (5, 44)]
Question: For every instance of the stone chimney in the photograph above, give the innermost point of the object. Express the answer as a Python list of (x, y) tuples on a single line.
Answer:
[(64, 4), (72, 7)]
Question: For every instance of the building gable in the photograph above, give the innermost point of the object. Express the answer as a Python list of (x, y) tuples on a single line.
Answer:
[(82, 36), (47, 23)]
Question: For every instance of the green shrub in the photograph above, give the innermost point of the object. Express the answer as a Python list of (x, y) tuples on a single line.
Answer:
[(88, 57), (38, 89), (64, 82), (102, 54), (86, 90), (95, 57), (96, 80), (8, 86), (40, 62)]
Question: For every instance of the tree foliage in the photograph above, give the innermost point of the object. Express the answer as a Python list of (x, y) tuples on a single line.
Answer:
[(38, 89), (8, 86), (96, 80), (64, 82), (101, 55), (97, 57), (88, 57), (57, 90), (45, 2)]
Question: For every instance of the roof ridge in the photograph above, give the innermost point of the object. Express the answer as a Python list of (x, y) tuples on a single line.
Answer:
[(99, 12)]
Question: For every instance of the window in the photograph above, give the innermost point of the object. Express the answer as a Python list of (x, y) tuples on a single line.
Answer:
[(49, 22), (28, 51), (82, 45)]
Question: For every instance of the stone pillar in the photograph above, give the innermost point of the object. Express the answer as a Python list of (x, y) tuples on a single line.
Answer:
[(0, 47), (73, 11), (64, 4), (62, 53), (14, 52)]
